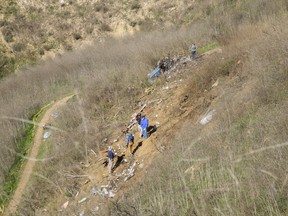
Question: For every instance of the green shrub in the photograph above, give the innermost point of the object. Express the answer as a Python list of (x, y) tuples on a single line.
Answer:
[(105, 27), (8, 35), (77, 36), (19, 47), (135, 6)]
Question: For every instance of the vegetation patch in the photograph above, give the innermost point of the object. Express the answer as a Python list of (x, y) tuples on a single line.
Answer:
[(22, 149), (208, 47), (12, 178)]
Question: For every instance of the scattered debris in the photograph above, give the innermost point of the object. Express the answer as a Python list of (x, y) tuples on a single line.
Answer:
[(154, 73), (207, 117), (215, 84), (103, 191), (77, 194), (165, 88), (46, 126), (87, 181), (55, 115), (105, 140), (64, 206), (81, 213), (83, 200), (115, 140), (130, 172), (46, 134), (93, 152), (111, 194)]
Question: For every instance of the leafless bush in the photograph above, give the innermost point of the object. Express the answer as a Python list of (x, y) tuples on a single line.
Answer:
[(236, 165)]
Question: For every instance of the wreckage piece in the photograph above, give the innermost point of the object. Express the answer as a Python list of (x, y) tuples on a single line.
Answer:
[(83, 200), (46, 134), (154, 73), (207, 117), (130, 172), (64, 206)]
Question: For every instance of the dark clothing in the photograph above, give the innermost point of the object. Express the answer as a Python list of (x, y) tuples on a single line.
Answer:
[(138, 119), (110, 154)]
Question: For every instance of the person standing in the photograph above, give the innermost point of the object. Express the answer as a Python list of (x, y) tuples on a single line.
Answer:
[(193, 51), (138, 119), (111, 156), (129, 142), (144, 125)]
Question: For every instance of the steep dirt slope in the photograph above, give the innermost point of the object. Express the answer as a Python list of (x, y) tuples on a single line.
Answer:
[(168, 106)]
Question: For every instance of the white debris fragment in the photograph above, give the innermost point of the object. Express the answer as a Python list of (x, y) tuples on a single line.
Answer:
[(55, 115), (46, 134), (81, 213), (165, 87), (94, 191), (83, 200), (130, 172), (64, 206), (216, 83), (105, 191), (111, 194), (207, 117)]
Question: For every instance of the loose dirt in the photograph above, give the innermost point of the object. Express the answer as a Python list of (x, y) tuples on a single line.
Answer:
[(32, 159)]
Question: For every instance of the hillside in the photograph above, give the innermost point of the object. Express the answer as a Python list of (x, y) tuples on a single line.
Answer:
[(233, 165), (33, 30)]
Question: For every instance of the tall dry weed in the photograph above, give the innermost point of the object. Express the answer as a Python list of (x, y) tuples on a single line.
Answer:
[(237, 164)]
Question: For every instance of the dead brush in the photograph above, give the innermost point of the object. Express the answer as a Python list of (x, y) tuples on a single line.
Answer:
[(236, 165)]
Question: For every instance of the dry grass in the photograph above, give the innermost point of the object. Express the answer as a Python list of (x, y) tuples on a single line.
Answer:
[(109, 77), (235, 165)]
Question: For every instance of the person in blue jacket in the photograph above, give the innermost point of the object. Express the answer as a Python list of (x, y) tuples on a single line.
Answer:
[(144, 125)]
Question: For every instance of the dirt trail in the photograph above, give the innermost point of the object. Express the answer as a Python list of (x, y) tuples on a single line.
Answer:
[(28, 169)]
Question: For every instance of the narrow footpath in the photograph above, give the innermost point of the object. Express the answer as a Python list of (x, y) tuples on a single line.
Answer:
[(28, 169)]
